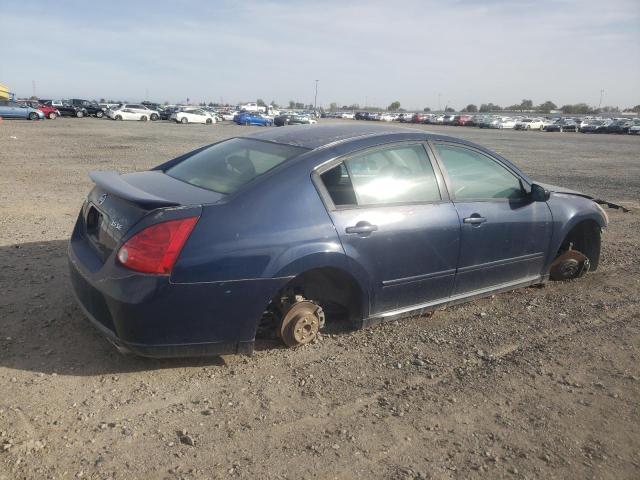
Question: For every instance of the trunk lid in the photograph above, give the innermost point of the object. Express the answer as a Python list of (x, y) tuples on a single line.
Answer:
[(118, 202)]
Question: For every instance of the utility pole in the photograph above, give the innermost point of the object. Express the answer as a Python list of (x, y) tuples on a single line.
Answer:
[(33, 84), (315, 99), (601, 94), (439, 95)]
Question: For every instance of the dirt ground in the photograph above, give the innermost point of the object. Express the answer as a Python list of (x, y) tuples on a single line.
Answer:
[(536, 383)]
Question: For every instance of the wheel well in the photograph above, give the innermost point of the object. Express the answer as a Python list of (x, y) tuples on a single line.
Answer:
[(584, 237), (335, 290)]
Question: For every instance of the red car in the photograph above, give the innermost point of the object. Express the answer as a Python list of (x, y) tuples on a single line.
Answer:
[(461, 120), (49, 111), (418, 118)]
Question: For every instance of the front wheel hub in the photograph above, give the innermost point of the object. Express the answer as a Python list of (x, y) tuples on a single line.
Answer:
[(570, 264)]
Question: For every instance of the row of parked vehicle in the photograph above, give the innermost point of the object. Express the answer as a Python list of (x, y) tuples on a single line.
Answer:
[(555, 124), (146, 111)]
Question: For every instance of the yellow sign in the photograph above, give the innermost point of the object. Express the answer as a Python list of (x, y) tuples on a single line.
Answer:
[(4, 92)]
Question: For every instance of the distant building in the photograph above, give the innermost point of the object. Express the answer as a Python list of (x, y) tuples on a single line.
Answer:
[(4, 92)]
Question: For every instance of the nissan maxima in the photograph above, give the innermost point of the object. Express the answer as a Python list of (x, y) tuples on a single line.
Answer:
[(285, 229)]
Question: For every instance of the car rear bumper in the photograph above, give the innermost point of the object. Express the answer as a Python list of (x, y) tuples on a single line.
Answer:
[(151, 316)]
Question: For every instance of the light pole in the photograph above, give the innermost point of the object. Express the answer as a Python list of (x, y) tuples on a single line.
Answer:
[(601, 94), (315, 100)]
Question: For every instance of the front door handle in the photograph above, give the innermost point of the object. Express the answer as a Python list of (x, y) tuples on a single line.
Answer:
[(475, 219), (361, 228)]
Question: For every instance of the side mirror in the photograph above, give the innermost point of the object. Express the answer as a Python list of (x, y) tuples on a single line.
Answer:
[(539, 193)]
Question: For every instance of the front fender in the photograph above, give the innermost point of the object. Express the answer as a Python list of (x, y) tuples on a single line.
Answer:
[(567, 212)]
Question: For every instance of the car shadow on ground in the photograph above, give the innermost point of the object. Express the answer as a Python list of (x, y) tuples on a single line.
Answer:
[(42, 329)]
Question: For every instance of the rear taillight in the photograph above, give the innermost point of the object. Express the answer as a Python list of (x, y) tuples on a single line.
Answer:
[(156, 248)]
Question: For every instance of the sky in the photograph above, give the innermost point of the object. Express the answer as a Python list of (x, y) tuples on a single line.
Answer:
[(418, 52)]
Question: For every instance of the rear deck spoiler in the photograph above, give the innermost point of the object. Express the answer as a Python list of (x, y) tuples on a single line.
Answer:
[(113, 183)]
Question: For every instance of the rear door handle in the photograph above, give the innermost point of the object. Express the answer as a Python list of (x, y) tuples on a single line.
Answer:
[(361, 228), (475, 220)]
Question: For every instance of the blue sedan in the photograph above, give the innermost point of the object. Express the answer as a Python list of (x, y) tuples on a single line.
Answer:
[(285, 229), (11, 109), (252, 118)]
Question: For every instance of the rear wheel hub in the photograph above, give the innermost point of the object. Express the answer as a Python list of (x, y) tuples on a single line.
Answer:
[(301, 323)]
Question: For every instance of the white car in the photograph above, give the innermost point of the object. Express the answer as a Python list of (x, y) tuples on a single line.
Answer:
[(529, 124), (128, 114), (347, 115), (585, 121), (504, 122), (386, 117), (634, 129), (536, 124), (193, 115), (227, 115), (135, 107), (251, 107)]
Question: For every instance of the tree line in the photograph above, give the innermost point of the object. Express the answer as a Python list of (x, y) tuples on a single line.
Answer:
[(526, 105)]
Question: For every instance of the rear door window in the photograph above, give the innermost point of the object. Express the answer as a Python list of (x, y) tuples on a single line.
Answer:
[(400, 174)]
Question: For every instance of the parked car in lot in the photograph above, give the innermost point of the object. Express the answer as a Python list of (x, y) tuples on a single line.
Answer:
[(92, 108), (287, 228), (461, 120), (135, 108), (65, 109), (227, 115), (634, 129), (193, 115), (415, 118), (505, 122), (49, 111), (293, 119), (252, 118), (166, 112), (594, 126), (529, 124), (128, 114), (562, 125), (448, 119), (485, 121), (619, 126), (11, 109)]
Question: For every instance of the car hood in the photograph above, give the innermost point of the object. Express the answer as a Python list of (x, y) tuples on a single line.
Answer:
[(568, 191)]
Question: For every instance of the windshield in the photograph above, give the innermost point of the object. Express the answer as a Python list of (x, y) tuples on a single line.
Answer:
[(227, 166)]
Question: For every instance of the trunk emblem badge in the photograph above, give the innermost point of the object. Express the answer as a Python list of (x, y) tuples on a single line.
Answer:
[(102, 198)]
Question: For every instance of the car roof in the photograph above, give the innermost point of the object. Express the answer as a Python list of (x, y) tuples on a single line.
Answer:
[(315, 136)]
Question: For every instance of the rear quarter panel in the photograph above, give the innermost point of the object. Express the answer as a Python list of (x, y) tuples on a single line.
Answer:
[(266, 230)]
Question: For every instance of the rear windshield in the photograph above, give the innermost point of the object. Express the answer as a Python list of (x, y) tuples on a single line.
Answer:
[(227, 166)]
